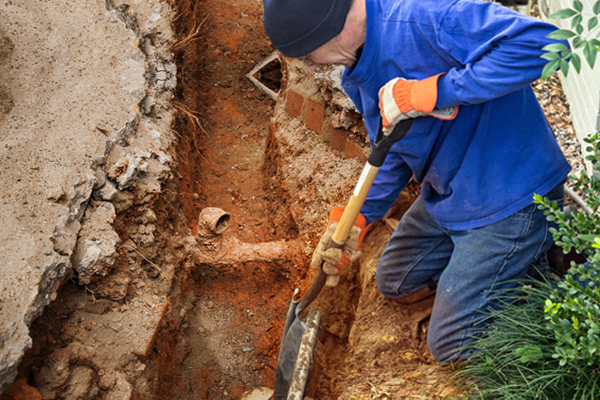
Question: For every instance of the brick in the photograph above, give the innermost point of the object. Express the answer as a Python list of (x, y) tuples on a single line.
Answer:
[(294, 104), (337, 139), (314, 115), (355, 151)]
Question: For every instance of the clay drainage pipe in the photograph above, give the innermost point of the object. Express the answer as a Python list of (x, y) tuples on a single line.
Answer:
[(210, 247), (212, 222)]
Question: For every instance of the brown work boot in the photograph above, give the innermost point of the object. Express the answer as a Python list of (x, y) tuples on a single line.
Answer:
[(416, 296)]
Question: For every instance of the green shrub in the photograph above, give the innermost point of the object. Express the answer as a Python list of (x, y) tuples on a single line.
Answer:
[(544, 343), (573, 307)]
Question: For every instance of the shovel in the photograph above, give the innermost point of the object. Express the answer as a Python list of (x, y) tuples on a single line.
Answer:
[(299, 338)]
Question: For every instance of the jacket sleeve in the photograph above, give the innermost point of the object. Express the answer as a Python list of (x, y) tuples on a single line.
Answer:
[(392, 177), (496, 51)]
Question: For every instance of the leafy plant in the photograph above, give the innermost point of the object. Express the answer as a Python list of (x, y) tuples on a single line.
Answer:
[(544, 342), (573, 308), (580, 36)]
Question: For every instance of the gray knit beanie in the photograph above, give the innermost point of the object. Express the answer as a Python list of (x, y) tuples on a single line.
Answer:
[(297, 27)]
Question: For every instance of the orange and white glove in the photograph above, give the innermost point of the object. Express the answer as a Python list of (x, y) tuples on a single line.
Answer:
[(403, 99), (335, 260)]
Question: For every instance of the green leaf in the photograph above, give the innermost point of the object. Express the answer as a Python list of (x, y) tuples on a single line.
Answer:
[(576, 20), (555, 47), (529, 353), (592, 23), (578, 5), (564, 13), (550, 68), (590, 52), (576, 61), (578, 42), (561, 34), (588, 238), (579, 29), (564, 66), (596, 7), (550, 56), (548, 306), (562, 362)]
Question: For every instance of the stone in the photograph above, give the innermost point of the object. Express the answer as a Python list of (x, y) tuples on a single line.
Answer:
[(107, 192), (114, 287), (96, 252), (56, 194), (20, 390)]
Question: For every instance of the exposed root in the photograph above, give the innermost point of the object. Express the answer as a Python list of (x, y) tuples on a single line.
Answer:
[(190, 113), (191, 37), (151, 263), (93, 295), (195, 123)]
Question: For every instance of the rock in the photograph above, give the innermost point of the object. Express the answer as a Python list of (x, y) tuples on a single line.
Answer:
[(96, 247), (148, 216), (262, 393), (129, 245), (121, 389), (144, 234), (56, 194), (106, 192), (66, 230), (80, 384), (127, 168), (100, 179), (107, 380), (54, 373), (123, 200), (114, 287), (20, 390)]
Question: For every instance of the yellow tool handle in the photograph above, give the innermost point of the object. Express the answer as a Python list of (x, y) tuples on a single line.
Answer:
[(351, 212)]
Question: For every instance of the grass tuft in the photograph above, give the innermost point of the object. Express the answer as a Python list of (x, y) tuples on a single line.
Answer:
[(513, 359)]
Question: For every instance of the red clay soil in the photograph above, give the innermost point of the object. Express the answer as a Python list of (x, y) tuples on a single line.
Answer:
[(230, 340)]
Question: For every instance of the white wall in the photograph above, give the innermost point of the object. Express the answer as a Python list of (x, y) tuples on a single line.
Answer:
[(582, 90)]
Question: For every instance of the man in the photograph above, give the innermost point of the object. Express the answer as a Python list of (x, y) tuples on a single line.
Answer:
[(480, 144)]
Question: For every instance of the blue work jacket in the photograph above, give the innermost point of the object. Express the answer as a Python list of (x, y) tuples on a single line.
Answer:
[(486, 164)]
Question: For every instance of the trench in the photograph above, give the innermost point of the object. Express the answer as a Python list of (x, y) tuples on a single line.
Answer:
[(218, 300), (228, 341)]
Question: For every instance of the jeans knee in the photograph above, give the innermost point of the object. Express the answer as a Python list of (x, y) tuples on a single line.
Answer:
[(447, 349), (383, 284)]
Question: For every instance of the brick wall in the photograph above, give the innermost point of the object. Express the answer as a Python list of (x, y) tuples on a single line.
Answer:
[(318, 115)]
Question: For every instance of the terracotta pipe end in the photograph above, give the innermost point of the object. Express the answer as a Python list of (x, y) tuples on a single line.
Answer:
[(212, 222)]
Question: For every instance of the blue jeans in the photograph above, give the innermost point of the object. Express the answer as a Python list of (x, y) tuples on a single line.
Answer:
[(467, 266)]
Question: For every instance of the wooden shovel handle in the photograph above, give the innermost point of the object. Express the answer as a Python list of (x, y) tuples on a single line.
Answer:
[(351, 212)]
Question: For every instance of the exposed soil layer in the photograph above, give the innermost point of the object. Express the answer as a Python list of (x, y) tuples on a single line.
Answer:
[(229, 340), (183, 315)]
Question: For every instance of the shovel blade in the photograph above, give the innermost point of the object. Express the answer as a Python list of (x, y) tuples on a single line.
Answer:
[(288, 352)]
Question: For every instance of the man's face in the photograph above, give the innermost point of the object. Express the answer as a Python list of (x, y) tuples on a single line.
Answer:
[(336, 52)]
